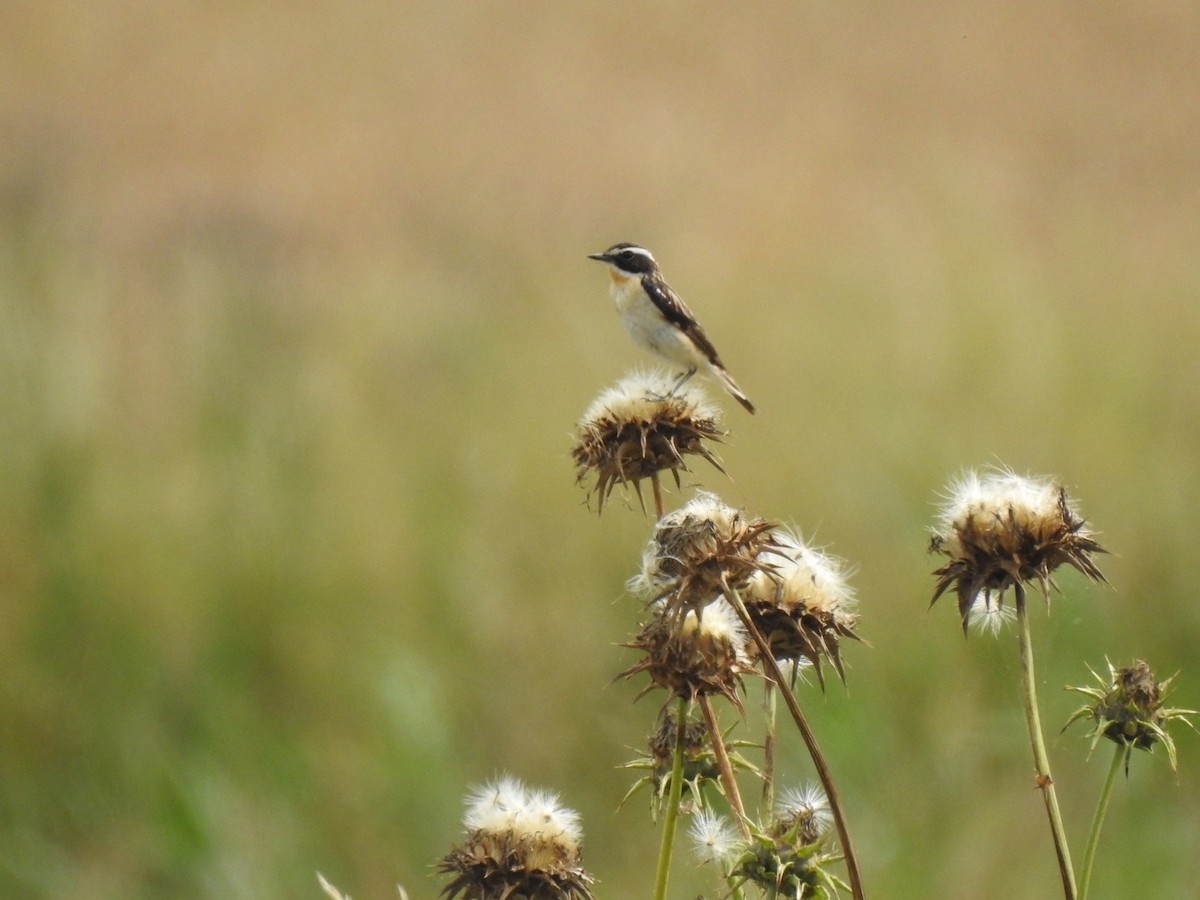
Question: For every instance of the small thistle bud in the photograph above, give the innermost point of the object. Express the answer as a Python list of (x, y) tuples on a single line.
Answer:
[(801, 603), (1129, 710), (690, 654), (642, 426), (699, 765), (1002, 530), (520, 843), (790, 858), (698, 550)]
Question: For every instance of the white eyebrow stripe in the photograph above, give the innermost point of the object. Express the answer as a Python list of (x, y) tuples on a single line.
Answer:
[(642, 250)]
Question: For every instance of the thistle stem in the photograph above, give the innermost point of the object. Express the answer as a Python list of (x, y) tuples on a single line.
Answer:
[(673, 796), (732, 794), (770, 705), (1093, 840), (1040, 760), (659, 507), (806, 733)]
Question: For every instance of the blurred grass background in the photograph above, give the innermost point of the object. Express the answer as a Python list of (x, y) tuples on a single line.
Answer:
[(296, 324)]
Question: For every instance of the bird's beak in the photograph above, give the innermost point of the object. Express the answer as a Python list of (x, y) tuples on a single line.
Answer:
[(599, 257)]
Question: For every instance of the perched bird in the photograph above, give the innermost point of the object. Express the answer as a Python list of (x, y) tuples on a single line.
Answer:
[(658, 320)]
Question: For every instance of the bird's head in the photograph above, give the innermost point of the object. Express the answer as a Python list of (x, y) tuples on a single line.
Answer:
[(627, 260)]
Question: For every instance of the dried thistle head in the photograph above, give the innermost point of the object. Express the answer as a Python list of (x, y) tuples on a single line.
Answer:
[(1001, 530), (1129, 711), (690, 654), (642, 426), (520, 843), (700, 550), (801, 602)]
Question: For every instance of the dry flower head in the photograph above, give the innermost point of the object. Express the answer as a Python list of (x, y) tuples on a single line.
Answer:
[(690, 654), (699, 551), (642, 426), (801, 603), (1001, 530), (520, 843)]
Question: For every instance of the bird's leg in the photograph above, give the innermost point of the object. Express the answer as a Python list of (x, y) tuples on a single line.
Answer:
[(681, 381)]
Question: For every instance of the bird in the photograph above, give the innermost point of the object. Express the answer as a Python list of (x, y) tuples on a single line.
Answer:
[(658, 320)]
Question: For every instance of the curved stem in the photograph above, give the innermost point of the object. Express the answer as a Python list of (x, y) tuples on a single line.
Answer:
[(1041, 761), (673, 796), (1093, 840), (732, 794), (806, 733)]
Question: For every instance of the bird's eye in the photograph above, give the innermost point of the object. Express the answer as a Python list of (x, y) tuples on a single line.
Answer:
[(626, 255)]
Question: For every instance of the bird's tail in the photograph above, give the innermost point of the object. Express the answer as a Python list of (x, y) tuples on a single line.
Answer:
[(730, 385)]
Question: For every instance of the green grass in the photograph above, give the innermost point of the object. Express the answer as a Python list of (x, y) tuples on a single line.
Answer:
[(296, 322)]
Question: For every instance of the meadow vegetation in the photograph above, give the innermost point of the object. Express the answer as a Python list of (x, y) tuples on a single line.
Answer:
[(296, 323)]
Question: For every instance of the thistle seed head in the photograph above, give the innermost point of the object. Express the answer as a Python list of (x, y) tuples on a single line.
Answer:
[(520, 843), (988, 615), (700, 550), (1001, 530), (803, 812), (801, 603), (714, 839), (691, 654), (642, 426)]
